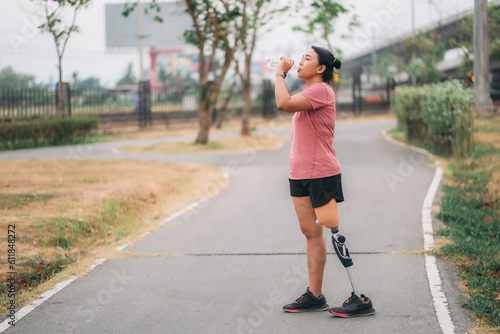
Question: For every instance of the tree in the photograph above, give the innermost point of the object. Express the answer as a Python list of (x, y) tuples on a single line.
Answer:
[(465, 41), (321, 16), (390, 66), (425, 50), (76, 80), (89, 83), (60, 33), (255, 16), (214, 22), (128, 78), (10, 79)]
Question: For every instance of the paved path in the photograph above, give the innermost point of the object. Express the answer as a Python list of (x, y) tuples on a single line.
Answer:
[(229, 265)]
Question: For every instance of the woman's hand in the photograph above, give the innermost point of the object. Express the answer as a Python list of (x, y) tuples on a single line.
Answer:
[(285, 65)]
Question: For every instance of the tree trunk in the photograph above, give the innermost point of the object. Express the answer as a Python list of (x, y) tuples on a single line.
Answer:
[(223, 109), (247, 108), (60, 103), (205, 118)]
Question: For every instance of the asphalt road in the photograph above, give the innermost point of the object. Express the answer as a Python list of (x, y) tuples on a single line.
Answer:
[(229, 264)]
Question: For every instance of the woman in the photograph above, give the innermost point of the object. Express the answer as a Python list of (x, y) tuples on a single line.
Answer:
[(315, 183)]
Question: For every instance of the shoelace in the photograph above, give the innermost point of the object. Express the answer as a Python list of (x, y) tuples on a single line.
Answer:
[(349, 301), (305, 296)]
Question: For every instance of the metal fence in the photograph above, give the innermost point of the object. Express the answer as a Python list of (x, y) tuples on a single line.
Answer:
[(29, 103)]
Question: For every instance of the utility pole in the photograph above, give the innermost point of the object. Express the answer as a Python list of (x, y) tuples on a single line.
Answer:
[(481, 56), (140, 37), (413, 16), (374, 60)]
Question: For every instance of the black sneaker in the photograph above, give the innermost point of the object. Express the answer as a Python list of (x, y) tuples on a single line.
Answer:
[(354, 307), (307, 302)]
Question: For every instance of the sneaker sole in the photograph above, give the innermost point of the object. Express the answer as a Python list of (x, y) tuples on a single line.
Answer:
[(319, 309), (363, 313)]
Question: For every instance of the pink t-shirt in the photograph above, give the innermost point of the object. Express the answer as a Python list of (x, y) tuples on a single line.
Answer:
[(312, 155)]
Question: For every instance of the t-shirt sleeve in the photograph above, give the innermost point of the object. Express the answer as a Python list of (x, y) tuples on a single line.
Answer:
[(316, 95)]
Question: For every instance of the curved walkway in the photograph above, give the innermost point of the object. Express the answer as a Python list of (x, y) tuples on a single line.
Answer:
[(230, 263)]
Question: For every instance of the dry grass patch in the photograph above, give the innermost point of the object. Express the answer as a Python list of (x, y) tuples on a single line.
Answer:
[(487, 137), (191, 128), (240, 143), (64, 211)]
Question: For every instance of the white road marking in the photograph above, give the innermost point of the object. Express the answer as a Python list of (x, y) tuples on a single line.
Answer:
[(46, 295), (435, 283)]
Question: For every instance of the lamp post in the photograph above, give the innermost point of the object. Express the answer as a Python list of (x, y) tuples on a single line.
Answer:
[(140, 37), (481, 56)]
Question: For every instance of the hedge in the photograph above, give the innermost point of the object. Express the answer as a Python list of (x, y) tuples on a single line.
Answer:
[(45, 131), (437, 116)]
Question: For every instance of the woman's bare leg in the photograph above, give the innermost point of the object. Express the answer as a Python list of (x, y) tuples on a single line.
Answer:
[(316, 246)]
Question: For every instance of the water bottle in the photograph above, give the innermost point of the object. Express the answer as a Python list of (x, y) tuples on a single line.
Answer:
[(274, 63)]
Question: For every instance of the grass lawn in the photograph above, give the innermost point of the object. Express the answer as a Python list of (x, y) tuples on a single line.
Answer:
[(470, 211), (239, 143)]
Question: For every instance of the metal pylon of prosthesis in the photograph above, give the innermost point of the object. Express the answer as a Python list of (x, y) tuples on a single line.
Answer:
[(338, 241)]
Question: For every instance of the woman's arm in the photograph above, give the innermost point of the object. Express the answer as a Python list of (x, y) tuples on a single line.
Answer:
[(283, 100)]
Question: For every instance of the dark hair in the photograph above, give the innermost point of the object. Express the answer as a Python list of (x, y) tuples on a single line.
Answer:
[(325, 57)]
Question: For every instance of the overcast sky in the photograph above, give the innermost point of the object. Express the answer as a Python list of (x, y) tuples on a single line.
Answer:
[(31, 52)]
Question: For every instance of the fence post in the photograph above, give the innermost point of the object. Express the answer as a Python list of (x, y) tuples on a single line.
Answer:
[(266, 98), (68, 97), (65, 101), (144, 105)]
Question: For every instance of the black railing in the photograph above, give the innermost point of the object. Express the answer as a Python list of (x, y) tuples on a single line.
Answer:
[(30, 103)]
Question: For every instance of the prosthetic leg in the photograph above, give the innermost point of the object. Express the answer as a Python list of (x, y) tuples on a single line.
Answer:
[(358, 304)]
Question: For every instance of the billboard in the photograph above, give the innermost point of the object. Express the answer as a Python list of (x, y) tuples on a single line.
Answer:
[(121, 32)]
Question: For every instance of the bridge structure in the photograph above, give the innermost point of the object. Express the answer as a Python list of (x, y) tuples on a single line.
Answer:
[(364, 93)]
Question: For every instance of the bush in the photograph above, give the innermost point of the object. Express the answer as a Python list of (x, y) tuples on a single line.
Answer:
[(46, 131), (438, 116)]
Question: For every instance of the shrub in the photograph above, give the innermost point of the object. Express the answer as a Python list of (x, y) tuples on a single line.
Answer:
[(45, 131), (438, 116)]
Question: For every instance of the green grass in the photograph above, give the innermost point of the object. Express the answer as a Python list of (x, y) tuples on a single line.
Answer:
[(472, 224), (12, 201), (473, 227), (36, 271), (114, 219)]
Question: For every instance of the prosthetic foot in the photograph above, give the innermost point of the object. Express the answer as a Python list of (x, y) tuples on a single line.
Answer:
[(358, 304)]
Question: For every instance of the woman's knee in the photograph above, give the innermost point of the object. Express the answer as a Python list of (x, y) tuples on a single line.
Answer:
[(311, 231)]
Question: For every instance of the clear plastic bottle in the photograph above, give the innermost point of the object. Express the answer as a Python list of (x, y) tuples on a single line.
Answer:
[(273, 63)]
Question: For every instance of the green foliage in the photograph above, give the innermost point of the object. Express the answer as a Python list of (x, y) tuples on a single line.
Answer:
[(36, 271), (153, 6), (12, 201), (389, 66), (467, 32), (321, 17), (425, 50), (182, 82), (438, 116), (45, 131), (128, 77), (473, 228), (10, 79), (89, 83), (54, 24)]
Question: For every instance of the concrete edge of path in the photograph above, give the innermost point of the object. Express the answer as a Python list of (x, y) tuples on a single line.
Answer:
[(435, 283), (45, 296)]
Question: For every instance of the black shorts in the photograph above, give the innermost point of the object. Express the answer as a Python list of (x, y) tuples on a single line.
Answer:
[(320, 190)]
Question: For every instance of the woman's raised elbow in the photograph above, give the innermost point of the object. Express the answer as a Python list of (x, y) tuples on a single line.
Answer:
[(286, 107)]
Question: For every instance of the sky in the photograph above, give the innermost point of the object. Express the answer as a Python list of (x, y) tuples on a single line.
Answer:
[(29, 51)]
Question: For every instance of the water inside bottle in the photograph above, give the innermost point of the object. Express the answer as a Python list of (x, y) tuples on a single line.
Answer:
[(273, 63)]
